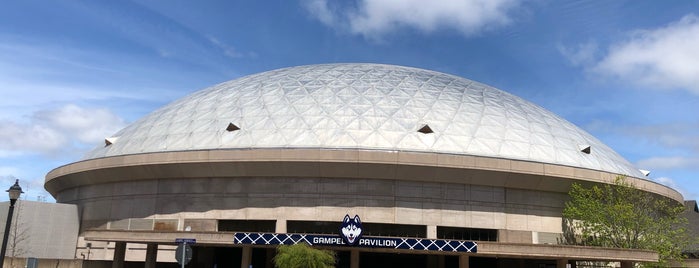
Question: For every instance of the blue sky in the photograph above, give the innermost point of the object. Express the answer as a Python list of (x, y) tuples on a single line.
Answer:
[(74, 72)]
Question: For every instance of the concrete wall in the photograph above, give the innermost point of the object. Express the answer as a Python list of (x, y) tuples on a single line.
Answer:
[(172, 204), (41, 230), (43, 263), (106, 206), (168, 191)]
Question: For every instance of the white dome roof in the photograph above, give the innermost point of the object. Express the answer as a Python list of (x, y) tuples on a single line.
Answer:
[(369, 107)]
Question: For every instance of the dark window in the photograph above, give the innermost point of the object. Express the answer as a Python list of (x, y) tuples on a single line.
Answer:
[(397, 230), (313, 227), (457, 233), (425, 130), (262, 226)]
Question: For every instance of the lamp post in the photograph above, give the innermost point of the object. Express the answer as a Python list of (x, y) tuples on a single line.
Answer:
[(14, 192)]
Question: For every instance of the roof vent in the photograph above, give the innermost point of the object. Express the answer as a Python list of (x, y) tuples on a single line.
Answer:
[(585, 148), (645, 172), (425, 129), (110, 141), (232, 127)]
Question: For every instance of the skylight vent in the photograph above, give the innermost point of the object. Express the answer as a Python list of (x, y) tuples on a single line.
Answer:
[(110, 141), (232, 127), (425, 129), (585, 148)]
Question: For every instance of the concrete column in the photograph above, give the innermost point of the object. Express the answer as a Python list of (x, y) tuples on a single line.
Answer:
[(280, 226), (432, 231), (354, 258), (626, 264), (561, 263), (246, 258), (463, 261), (151, 255), (119, 254)]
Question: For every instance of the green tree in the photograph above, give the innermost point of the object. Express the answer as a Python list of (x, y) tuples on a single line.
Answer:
[(302, 256), (622, 216)]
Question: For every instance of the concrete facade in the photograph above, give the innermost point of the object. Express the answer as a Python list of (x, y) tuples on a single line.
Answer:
[(41, 230), (167, 192)]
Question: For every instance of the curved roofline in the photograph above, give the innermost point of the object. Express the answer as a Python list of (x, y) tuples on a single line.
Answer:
[(368, 107), (399, 165)]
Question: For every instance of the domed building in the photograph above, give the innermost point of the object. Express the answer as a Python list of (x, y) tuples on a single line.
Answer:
[(432, 170)]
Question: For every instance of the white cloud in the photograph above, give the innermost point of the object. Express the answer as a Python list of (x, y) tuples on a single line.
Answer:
[(70, 75), (19, 138), (672, 184), (583, 54), (373, 18), (228, 50), (677, 135), (675, 162), (5, 171), (87, 125), (320, 9), (664, 58), (51, 131)]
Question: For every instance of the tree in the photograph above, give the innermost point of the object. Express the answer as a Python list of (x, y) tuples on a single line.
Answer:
[(17, 239), (622, 216), (302, 256)]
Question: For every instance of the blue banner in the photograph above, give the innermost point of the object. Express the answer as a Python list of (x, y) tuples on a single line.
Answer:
[(364, 241)]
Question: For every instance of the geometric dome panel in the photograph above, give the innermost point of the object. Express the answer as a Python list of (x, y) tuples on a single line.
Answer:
[(368, 107)]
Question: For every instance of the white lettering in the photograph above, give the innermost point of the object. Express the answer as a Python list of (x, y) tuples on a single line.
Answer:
[(375, 242), (328, 240), (366, 242)]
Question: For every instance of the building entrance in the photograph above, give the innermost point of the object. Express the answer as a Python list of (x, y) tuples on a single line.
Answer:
[(263, 258)]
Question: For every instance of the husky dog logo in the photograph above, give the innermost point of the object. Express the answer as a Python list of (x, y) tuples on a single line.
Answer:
[(351, 229)]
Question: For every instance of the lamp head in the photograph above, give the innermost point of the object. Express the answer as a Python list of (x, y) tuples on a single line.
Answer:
[(15, 191)]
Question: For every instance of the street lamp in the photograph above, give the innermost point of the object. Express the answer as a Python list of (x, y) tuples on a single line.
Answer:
[(15, 191)]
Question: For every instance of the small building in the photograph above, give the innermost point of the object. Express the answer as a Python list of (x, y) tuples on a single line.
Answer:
[(41, 230)]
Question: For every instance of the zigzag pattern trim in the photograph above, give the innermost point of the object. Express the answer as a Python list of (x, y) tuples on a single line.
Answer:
[(368, 242)]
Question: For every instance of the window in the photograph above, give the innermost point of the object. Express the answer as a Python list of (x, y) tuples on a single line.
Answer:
[(262, 226), (313, 227), (397, 230), (474, 234)]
